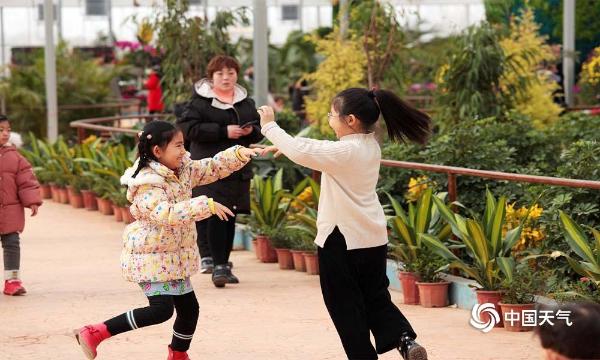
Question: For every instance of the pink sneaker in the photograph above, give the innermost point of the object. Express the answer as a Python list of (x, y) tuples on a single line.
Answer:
[(89, 337), (177, 355), (14, 287)]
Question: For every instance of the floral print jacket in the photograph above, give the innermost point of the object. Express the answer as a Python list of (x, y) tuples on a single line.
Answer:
[(160, 245)]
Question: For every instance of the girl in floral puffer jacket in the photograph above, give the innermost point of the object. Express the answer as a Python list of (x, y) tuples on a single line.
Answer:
[(159, 248)]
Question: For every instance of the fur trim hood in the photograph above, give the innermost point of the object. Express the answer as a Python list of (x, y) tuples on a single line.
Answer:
[(204, 88)]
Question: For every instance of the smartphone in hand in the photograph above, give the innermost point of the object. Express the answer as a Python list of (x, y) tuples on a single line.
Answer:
[(248, 124)]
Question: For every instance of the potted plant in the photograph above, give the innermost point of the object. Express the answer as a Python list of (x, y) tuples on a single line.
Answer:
[(269, 204), (520, 289), (282, 240), (74, 189), (298, 256), (433, 292), (405, 242), (489, 252)]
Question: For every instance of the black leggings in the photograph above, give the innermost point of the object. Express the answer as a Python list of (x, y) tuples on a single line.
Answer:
[(160, 310)]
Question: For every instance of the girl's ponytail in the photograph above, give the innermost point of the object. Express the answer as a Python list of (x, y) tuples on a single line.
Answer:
[(402, 120)]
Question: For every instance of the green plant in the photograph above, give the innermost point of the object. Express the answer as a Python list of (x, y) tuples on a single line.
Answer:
[(79, 81), (269, 203), (187, 45), (471, 83), (428, 266), (286, 237), (489, 252), (305, 204), (523, 286), (588, 252), (422, 218)]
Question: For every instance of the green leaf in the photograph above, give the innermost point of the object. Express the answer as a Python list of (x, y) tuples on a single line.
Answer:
[(576, 238)]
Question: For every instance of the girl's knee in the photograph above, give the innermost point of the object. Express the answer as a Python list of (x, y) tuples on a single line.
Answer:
[(163, 312)]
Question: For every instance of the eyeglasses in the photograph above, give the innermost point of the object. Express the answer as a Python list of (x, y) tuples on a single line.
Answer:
[(330, 115)]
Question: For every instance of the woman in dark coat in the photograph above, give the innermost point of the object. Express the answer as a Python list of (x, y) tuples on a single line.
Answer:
[(220, 115)]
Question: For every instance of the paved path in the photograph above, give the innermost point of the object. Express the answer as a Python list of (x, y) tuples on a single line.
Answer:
[(71, 269)]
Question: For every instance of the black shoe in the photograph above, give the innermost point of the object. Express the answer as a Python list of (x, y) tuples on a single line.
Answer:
[(410, 350), (206, 265), (231, 279), (219, 275)]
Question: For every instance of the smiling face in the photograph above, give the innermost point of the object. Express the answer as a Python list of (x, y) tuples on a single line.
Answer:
[(343, 125), (225, 79), (171, 155), (4, 132)]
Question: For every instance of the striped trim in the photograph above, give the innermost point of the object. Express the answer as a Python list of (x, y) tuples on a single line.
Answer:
[(181, 336), (131, 320)]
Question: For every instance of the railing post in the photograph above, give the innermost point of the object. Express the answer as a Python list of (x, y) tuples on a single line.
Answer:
[(452, 195), (80, 135)]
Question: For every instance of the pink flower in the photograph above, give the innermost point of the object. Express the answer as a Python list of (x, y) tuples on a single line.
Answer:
[(584, 279)]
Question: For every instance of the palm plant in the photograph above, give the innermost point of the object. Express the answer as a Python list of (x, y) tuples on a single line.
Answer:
[(488, 250), (422, 218)]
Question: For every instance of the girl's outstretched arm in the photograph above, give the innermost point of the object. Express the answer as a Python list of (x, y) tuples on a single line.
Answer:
[(321, 155), (151, 204), (223, 164)]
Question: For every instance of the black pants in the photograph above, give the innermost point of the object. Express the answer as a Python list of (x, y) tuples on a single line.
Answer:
[(355, 290), (11, 250), (215, 238), (160, 310)]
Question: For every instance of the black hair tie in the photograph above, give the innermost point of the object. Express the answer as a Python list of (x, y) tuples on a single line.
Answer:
[(371, 94)]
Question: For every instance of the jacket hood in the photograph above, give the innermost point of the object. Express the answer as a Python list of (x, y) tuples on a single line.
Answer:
[(153, 174), (204, 88)]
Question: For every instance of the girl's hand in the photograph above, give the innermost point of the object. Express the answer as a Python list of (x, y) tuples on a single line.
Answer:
[(222, 211), (249, 153), (267, 115), (271, 149), (34, 210)]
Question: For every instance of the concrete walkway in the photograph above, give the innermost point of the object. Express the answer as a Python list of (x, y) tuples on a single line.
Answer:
[(70, 261)]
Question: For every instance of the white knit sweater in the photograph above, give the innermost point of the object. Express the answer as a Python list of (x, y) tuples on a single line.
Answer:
[(350, 170)]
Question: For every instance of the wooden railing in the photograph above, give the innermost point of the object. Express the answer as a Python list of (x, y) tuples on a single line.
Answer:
[(452, 172)]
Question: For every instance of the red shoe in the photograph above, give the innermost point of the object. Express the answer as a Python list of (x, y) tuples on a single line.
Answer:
[(89, 337), (177, 355), (14, 287)]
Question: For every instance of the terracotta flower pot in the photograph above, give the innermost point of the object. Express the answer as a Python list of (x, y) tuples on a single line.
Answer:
[(63, 195), (117, 213), (299, 263), (126, 213), (285, 259), (54, 193), (516, 325), (89, 200), (255, 247), (312, 263), (266, 251), (45, 191), (492, 297), (433, 294), (105, 206), (410, 291), (75, 198)]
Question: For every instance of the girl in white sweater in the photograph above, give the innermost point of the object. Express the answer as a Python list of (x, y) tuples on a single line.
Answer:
[(352, 233)]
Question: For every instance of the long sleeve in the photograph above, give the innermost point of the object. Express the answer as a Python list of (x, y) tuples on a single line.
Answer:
[(223, 164), (27, 185), (321, 155), (196, 128), (151, 203)]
